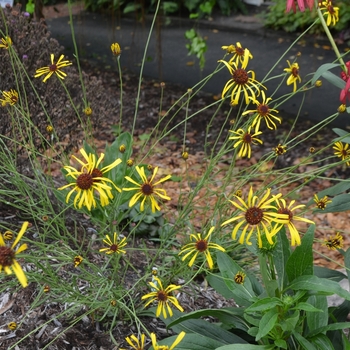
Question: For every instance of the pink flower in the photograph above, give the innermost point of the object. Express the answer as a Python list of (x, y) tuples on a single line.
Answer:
[(345, 93), (301, 4)]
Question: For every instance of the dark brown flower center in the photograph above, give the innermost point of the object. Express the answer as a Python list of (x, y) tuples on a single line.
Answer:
[(96, 173), (240, 76), (321, 204), (7, 256), (239, 278), (162, 296), (202, 245), (239, 51), (114, 248), (331, 9), (147, 189), (254, 215), (287, 212), (14, 98), (263, 109), (53, 67), (295, 72), (85, 181), (247, 138)]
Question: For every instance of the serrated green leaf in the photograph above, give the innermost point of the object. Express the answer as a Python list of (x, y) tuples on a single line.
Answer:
[(267, 323), (306, 307)]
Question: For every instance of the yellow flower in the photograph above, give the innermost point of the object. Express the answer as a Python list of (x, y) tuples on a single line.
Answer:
[(342, 108), (53, 68), (116, 49), (6, 42), (201, 245), (284, 209), (9, 97), (241, 81), (263, 111), (8, 263), (334, 242), (245, 139), (147, 189), (135, 343), (321, 203), (87, 111), (239, 277), (256, 216), (239, 53), (166, 347), (331, 12), (163, 297), (12, 326), (342, 151), (294, 75), (89, 179), (280, 149), (78, 259), (115, 246)]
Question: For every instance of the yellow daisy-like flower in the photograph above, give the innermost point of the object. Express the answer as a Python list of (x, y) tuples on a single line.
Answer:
[(256, 216), (321, 203), (201, 245), (163, 297), (239, 53), (294, 75), (78, 259), (284, 209), (334, 242), (147, 189), (9, 97), (115, 246), (239, 277), (342, 151), (331, 12), (166, 347), (53, 68), (241, 81), (245, 139), (263, 111), (90, 179), (135, 343), (5, 42), (116, 49), (8, 261), (280, 149)]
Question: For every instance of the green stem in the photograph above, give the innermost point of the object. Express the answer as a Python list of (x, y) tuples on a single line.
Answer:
[(330, 38)]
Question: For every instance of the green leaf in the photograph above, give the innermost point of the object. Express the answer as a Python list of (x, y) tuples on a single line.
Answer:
[(193, 342), (246, 347), (339, 203), (316, 320), (231, 317), (334, 190), (301, 260), (343, 134), (331, 327), (289, 323), (210, 330), (281, 254), (303, 342), (280, 343), (267, 323), (306, 307), (322, 342), (320, 286), (347, 262), (322, 69), (217, 282), (242, 293), (264, 305), (333, 275), (334, 79)]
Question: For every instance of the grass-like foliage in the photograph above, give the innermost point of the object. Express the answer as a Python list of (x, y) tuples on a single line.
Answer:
[(105, 236)]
